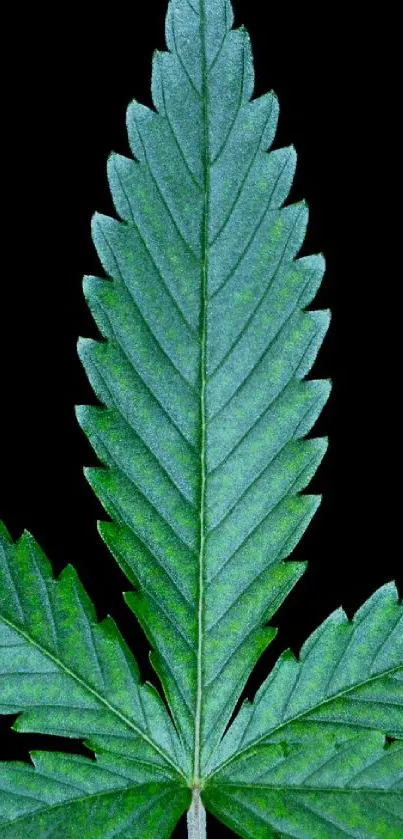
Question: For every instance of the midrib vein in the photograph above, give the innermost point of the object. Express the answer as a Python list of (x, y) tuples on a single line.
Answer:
[(203, 341)]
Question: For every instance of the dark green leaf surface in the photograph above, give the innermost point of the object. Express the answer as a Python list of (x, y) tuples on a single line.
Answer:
[(70, 796), (207, 343), (68, 674), (349, 677), (323, 791)]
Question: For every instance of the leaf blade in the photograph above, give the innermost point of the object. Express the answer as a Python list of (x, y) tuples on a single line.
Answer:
[(92, 686), (206, 398), (71, 795), (324, 790), (348, 678)]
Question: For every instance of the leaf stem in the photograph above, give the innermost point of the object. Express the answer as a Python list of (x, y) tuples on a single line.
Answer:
[(196, 817)]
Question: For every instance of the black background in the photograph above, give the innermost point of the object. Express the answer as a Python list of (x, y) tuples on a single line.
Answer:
[(66, 89)]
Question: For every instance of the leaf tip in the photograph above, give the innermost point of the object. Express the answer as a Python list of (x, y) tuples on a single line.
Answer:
[(81, 413), (18, 724), (327, 385), (4, 533), (27, 539), (84, 346), (321, 259)]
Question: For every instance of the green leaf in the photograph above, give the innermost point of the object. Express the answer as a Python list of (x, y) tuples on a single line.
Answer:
[(207, 340), (68, 674), (322, 791), (202, 370), (349, 677), (70, 796)]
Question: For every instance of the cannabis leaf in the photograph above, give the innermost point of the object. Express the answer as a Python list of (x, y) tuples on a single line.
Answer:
[(207, 341)]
